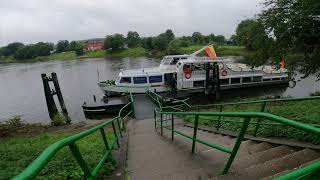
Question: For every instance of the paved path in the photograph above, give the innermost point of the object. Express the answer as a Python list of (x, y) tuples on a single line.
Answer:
[(143, 107), (151, 156)]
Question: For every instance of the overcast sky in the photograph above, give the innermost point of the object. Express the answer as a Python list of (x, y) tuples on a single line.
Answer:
[(31, 21)]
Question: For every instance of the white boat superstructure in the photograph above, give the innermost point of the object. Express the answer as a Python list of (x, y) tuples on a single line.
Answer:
[(191, 73)]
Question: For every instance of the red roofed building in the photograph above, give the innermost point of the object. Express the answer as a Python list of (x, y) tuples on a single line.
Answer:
[(94, 44)]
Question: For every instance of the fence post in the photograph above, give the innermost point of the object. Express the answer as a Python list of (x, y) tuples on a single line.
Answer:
[(155, 119), (77, 155), (161, 127), (236, 147), (172, 126), (115, 134), (119, 126), (259, 120), (219, 119), (195, 128), (103, 134)]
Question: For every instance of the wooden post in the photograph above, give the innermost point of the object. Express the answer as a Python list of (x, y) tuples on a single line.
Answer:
[(52, 108), (59, 95), (217, 81)]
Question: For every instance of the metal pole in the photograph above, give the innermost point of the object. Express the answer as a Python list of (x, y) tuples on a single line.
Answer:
[(259, 120), (237, 144), (115, 134), (161, 127), (219, 118), (172, 126), (195, 128)]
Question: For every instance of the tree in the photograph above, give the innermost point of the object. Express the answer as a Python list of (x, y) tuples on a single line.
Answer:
[(233, 39), (11, 48), (62, 46), (197, 38), (73, 46), (147, 43), (174, 46), (169, 35), (114, 42), (252, 35), (42, 49), (160, 42), (295, 25), (133, 39), (79, 49), (219, 39), (26, 52)]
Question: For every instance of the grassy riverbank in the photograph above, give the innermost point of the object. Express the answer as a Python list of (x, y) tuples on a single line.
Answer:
[(224, 50), (301, 111), (21, 148)]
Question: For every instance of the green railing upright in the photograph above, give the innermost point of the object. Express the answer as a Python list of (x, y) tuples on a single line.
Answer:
[(44, 158)]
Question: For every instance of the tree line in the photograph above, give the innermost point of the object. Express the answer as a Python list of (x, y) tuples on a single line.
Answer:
[(284, 28), (20, 51), (166, 42)]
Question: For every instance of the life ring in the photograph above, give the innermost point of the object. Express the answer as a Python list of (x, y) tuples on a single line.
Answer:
[(187, 75), (224, 73)]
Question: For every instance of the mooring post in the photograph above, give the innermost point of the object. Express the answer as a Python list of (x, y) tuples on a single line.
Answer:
[(217, 81), (55, 81), (52, 108)]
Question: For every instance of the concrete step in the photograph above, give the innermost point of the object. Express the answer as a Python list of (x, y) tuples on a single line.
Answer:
[(242, 162), (291, 170), (277, 165), (260, 147)]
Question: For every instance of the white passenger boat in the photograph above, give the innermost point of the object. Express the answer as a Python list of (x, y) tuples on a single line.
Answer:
[(193, 73)]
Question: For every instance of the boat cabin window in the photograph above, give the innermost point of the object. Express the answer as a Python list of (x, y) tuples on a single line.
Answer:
[(139, 80), (155, 79), (166, 61), (257, 78), (125, 80), (246, 79), (235, 80), (224, 81)]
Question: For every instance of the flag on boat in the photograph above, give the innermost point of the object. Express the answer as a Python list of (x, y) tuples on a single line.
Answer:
[(282, 63), (211, 52)]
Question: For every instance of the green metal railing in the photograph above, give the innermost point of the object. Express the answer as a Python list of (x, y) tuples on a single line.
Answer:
[(221, 106), (167, 114), (247, 116), (44, 158)]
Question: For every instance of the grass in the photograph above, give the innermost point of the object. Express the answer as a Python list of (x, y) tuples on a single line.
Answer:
[(301, 111), (17, 152)]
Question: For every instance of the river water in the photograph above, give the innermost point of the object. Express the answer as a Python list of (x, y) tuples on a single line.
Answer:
[(21, 89)]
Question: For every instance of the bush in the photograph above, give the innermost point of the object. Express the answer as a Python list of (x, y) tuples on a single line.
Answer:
[(15, 121), (58, 120)]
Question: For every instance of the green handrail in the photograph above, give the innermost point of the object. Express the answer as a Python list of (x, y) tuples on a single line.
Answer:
[(247, 118), (307, 171), (43, 159)]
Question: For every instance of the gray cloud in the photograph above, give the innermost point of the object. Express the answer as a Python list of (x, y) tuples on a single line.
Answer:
[(51, 20)]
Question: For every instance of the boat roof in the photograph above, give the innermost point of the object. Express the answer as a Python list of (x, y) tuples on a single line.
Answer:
[(181, 55), (145, 71)]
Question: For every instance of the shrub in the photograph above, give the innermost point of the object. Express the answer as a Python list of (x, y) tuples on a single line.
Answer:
[(58, 120), (15, 121)]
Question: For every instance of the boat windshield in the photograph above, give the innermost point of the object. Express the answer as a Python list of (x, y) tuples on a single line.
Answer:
[(166, 60)]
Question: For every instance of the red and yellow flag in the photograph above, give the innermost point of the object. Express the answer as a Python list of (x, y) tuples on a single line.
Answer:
[(211, 52)]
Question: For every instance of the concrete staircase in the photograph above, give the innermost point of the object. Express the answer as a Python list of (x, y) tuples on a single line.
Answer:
[(155, 156), (255, 160)]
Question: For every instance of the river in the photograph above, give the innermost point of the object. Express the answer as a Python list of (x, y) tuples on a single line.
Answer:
[(21, 89)]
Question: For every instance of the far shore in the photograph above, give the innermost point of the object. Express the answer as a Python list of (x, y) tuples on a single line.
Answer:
[(223, 50)]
